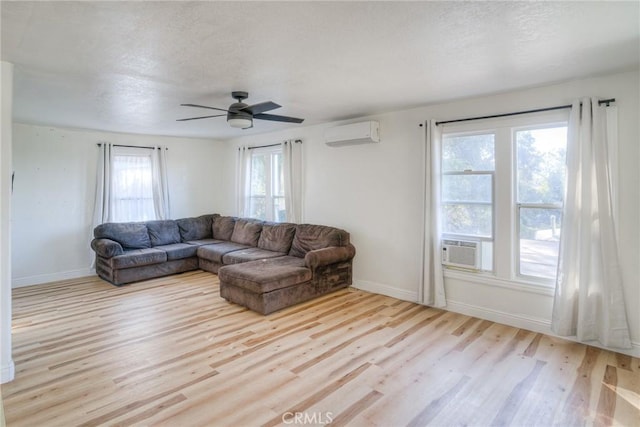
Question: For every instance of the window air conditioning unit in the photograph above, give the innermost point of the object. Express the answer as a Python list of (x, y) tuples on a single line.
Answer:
[(461, 253), (356, 133)]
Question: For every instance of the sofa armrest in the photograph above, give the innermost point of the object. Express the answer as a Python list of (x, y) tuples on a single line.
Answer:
[(106, 248), (330, 255)]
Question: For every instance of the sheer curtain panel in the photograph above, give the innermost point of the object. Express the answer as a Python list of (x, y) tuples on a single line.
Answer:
[(292, 169), (243, 181), (102, 205), (160, 183), (589, 300), (433, 277), (102, 202), (131, 184)]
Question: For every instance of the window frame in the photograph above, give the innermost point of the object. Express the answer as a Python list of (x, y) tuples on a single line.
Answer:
[(506, 238), (518, 206), (473, 237), (130, 151), (270, 153)]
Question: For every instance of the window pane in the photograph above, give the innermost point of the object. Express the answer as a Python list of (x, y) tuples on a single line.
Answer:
[(132, 188), (258, 177), (541, 164), (539, 241), (258, 207), (467, 219), (467, 188), (267, 186), (279, 211), (468, 152)]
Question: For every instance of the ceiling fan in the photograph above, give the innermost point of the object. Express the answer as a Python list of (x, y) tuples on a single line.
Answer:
[(241, 115)]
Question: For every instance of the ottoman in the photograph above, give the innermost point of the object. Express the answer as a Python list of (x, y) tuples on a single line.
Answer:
[(267, 285)]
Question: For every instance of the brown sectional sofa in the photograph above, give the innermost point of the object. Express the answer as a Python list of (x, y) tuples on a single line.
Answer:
[(261, 265)]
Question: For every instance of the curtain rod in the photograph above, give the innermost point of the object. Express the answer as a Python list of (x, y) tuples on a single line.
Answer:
[(99, 144), (271, 145), (539, 110)]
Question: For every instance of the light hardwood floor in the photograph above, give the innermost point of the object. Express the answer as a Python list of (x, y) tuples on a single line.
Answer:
[(171, 352)]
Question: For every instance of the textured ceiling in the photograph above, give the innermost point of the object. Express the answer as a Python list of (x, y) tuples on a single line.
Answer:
[(126, 66)]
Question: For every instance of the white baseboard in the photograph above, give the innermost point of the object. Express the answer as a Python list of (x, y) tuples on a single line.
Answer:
[(7, 372), (524, 322), (390, 291), (19, 282)]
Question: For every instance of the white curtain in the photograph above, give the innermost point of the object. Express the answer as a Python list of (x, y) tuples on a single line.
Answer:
[(132, 188), (102, 204), (292, 170), (243, 181), (432, 277), (131, 185), (589, 300), (160, 183)]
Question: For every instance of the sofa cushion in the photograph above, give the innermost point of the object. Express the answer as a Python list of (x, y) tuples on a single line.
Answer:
[(311, 237), (222, 227), (204, 242), (195, 228), (266, 275), (246, 232), (277, 237), (250, 254), (216, 252), (138, 257), (163, 232), (131, 235), (178, 250)]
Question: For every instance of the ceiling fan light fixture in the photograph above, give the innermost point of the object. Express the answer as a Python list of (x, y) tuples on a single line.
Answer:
[(240, 122)]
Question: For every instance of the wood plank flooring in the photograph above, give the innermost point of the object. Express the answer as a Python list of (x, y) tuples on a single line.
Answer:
[(171, 352)]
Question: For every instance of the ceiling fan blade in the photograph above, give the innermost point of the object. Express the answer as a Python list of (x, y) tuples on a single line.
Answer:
[(203, 106), (196, 118), (275, 118), (261, 107)]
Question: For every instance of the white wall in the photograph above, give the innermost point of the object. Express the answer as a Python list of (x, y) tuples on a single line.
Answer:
[(54, 190), (375, 192)]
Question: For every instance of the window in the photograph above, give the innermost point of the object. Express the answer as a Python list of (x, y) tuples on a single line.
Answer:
[(266, 198), (503, 187), (540, 182), (132, 189), (468, 165)]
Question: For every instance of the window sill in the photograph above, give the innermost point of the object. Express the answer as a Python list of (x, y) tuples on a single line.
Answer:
[(491, 280)]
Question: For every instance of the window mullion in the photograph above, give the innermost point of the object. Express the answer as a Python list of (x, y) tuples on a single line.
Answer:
[(540, 205)]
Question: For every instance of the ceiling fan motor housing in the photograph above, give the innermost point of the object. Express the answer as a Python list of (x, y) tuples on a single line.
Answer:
[(235, 111)]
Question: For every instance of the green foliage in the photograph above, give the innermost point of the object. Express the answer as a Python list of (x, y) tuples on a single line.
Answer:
[(467, 193)]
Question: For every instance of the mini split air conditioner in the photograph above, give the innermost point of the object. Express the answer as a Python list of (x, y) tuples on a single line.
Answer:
[(356, 133), (461, 253)]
